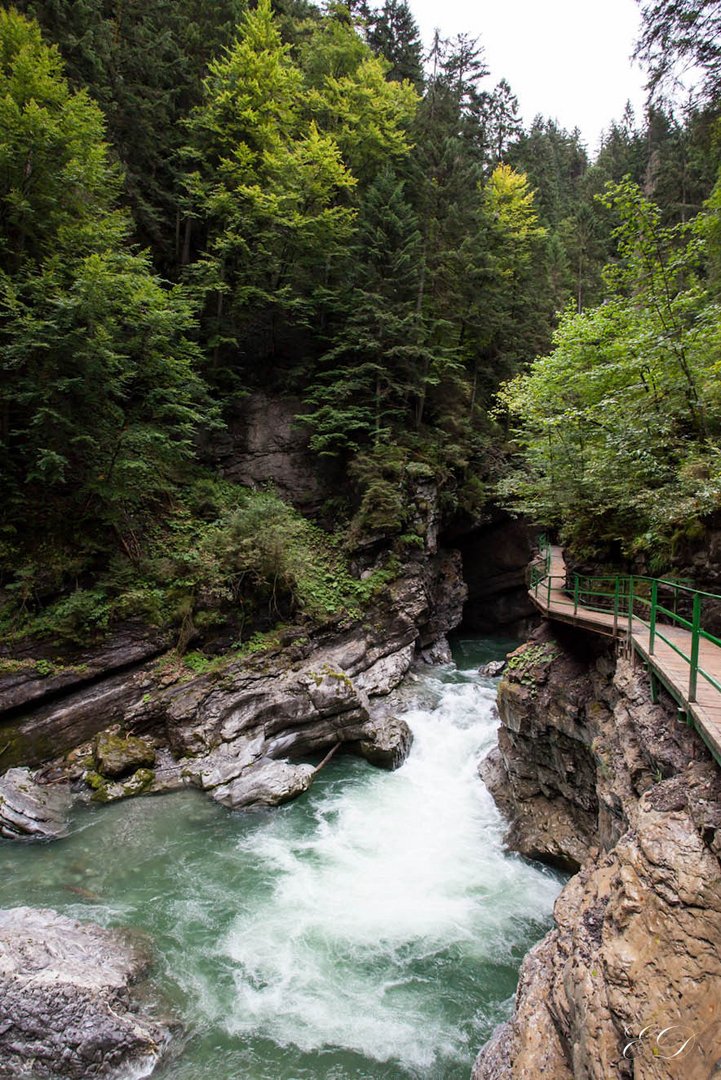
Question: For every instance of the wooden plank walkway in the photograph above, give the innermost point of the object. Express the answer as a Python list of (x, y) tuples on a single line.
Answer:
[(671, 669)]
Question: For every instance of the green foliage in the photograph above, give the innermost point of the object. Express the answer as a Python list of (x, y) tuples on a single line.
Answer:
[(679, 36), (223, 557), (379, 360), (57, 186), (619, 426), (524, 664), (393, 34), (387, 247), (143, 63), (269, 186), (99, 398)]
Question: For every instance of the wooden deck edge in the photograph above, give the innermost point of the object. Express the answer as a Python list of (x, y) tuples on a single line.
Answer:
[(692, 710)]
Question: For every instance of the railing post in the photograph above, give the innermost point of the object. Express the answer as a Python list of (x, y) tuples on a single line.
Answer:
[(652, 623), (548, 590), (575, 594), (616, 587), (630, 607), (695, 639)]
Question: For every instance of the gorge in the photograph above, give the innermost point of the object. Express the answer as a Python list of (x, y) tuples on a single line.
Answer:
[(307, 341), (390, 895)]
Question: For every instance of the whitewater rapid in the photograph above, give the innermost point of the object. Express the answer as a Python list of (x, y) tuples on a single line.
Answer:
[(371, 930), (399, 874)]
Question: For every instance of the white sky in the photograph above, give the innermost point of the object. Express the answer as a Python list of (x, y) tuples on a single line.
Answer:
[(567, 59)]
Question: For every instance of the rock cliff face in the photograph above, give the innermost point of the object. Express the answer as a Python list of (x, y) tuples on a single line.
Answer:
[(592, 774), (264, 442), (245, 731)]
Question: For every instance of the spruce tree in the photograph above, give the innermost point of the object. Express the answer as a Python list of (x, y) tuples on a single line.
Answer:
[(99, 398), (393, 33)]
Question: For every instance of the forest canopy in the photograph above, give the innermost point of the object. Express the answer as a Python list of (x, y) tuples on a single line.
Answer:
[(201, 202)]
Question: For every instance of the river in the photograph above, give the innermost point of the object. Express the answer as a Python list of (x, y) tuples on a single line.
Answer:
[(373, 929)]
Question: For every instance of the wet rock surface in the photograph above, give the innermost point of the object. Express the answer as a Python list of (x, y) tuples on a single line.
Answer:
[(387, 743), (493, 669), (591, 772), (69, 1006), (32, 811)]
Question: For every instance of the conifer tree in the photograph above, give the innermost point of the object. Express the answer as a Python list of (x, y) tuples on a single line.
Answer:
[(393, 34), (265, 183), (368, 380), (99, 399), (143, 63)]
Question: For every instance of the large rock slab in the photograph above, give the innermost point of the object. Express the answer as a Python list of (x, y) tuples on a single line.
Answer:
[(267, 783), (226, 727), (317, 689), (32, 811), (52, 671), (67, 1007)]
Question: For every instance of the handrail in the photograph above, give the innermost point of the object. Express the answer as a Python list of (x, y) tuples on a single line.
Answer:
[(623, 599)]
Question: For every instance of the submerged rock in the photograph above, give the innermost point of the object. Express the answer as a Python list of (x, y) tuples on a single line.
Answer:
[(67, 1007), (32, 811)]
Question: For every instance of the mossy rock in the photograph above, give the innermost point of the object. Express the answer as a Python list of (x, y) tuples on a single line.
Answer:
[(117, 756), (99, 785), (139, 782)]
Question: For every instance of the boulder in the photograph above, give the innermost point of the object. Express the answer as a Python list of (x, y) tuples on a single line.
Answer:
[(268, 783), (388, 742), (68, 1007), (117, 755), (493, 669)]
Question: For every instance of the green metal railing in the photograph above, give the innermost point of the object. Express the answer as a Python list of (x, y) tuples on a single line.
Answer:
[(659, 604)]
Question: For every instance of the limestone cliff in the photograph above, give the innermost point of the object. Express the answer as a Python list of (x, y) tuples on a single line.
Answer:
[(591, 773)]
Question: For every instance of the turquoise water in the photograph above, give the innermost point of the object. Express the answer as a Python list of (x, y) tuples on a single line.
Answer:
[(371, 929)]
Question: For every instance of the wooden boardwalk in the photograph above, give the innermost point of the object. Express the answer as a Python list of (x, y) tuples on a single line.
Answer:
[(665, 665)]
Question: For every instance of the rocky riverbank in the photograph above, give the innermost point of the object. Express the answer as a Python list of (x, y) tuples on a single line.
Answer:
[(597, 779), (249, 731)]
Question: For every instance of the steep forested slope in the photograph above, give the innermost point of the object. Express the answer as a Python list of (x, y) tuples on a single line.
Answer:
[(202, 202)]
